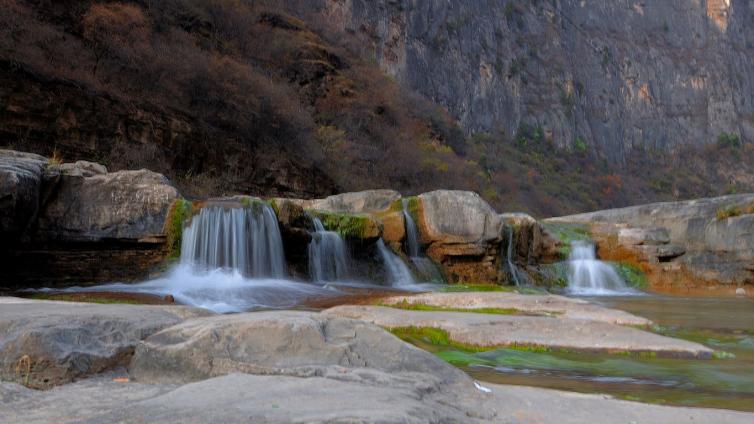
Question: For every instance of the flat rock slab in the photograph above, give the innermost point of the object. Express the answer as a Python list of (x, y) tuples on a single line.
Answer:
[(243, 398), (488, 330), (47, 343), (291, 343), (563, 307)]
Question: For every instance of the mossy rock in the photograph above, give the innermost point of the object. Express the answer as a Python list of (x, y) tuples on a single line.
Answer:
[(354, 226), (568, 233), (631, 274), (179, 213)]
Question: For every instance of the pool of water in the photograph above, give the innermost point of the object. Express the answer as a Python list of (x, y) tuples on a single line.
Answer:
[(724, 324)]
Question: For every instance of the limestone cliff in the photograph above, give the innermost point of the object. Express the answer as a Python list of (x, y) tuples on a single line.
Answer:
[(617, 75)]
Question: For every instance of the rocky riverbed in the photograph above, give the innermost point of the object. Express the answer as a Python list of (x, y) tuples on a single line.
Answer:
[(136, 363)]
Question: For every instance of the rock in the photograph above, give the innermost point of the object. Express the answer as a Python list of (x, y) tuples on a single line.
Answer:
[(45, 343), (120, 205), (20, 185), (82, 168), (495, 330), (281, 342), (458, 217), (557, 306), (642, 236), (366, 398), (740, 291), (368, 201), (711, 251), (463, 235)]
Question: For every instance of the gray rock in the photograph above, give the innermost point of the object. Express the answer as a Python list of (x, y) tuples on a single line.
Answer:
[(454, 216), (82, 168), (280, 342), (44, 344), (368, 201), (643, 236), (354, 396), (120, 205), (493, 330), (20, 185)]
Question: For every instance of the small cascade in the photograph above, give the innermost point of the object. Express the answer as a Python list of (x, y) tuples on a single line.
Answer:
[(589, 276), (412, 234), (516, 274), (245, 240), (328, 257), (397, 271), (425, 267)]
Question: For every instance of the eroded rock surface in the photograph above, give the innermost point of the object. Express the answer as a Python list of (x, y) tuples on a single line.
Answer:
[(493, 330), (283, 342), (46, 343), (20, 185)]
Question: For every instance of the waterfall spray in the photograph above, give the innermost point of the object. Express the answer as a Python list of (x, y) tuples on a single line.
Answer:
[(328, 257)]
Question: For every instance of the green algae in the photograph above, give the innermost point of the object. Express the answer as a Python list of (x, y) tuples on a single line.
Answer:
[(431, 308), (631, 274), (568, 233), (180, 212), (347, 225)]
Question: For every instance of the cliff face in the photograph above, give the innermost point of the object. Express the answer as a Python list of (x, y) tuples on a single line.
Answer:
[(618, 75)]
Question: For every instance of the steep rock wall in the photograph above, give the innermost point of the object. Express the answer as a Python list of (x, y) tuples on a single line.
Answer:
[(618, 75)]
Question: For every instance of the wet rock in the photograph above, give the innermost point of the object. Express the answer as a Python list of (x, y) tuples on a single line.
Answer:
[(47, 343), (495, 330)]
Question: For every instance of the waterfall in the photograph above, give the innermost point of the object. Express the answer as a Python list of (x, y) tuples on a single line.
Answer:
[(328, 257), (246, 240), (412, 234), (425, 267), (515, 273), (397, 271), (589, 276)]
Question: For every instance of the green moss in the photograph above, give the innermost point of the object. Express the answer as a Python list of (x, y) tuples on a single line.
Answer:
[(567, 233), (424, 307), (434, 338), (179, 213), (631, 274), (554, 275), (347, 225)]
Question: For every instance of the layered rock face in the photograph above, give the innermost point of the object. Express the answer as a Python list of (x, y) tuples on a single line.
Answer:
[(674, 72), (681, 244), (77, 222)]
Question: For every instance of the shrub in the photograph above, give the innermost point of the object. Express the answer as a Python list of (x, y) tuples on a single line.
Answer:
[(728, 140), (728, 212)]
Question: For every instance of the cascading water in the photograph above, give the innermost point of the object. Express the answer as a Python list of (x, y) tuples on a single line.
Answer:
[(397, 271), (232, 260), (425, 267), (246, 240), (328, 257), (589, 276), (515, 273)]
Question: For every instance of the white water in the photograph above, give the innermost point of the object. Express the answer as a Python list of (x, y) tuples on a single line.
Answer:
[(589, 276), (245, 240), (397, 272), (328, 256), (232, 260), (512, 267), (426, 269)]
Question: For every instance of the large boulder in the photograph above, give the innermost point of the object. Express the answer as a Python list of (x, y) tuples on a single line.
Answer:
[(281, 342), (463, 234), (45, 343), (120, 205), (20, 185)]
